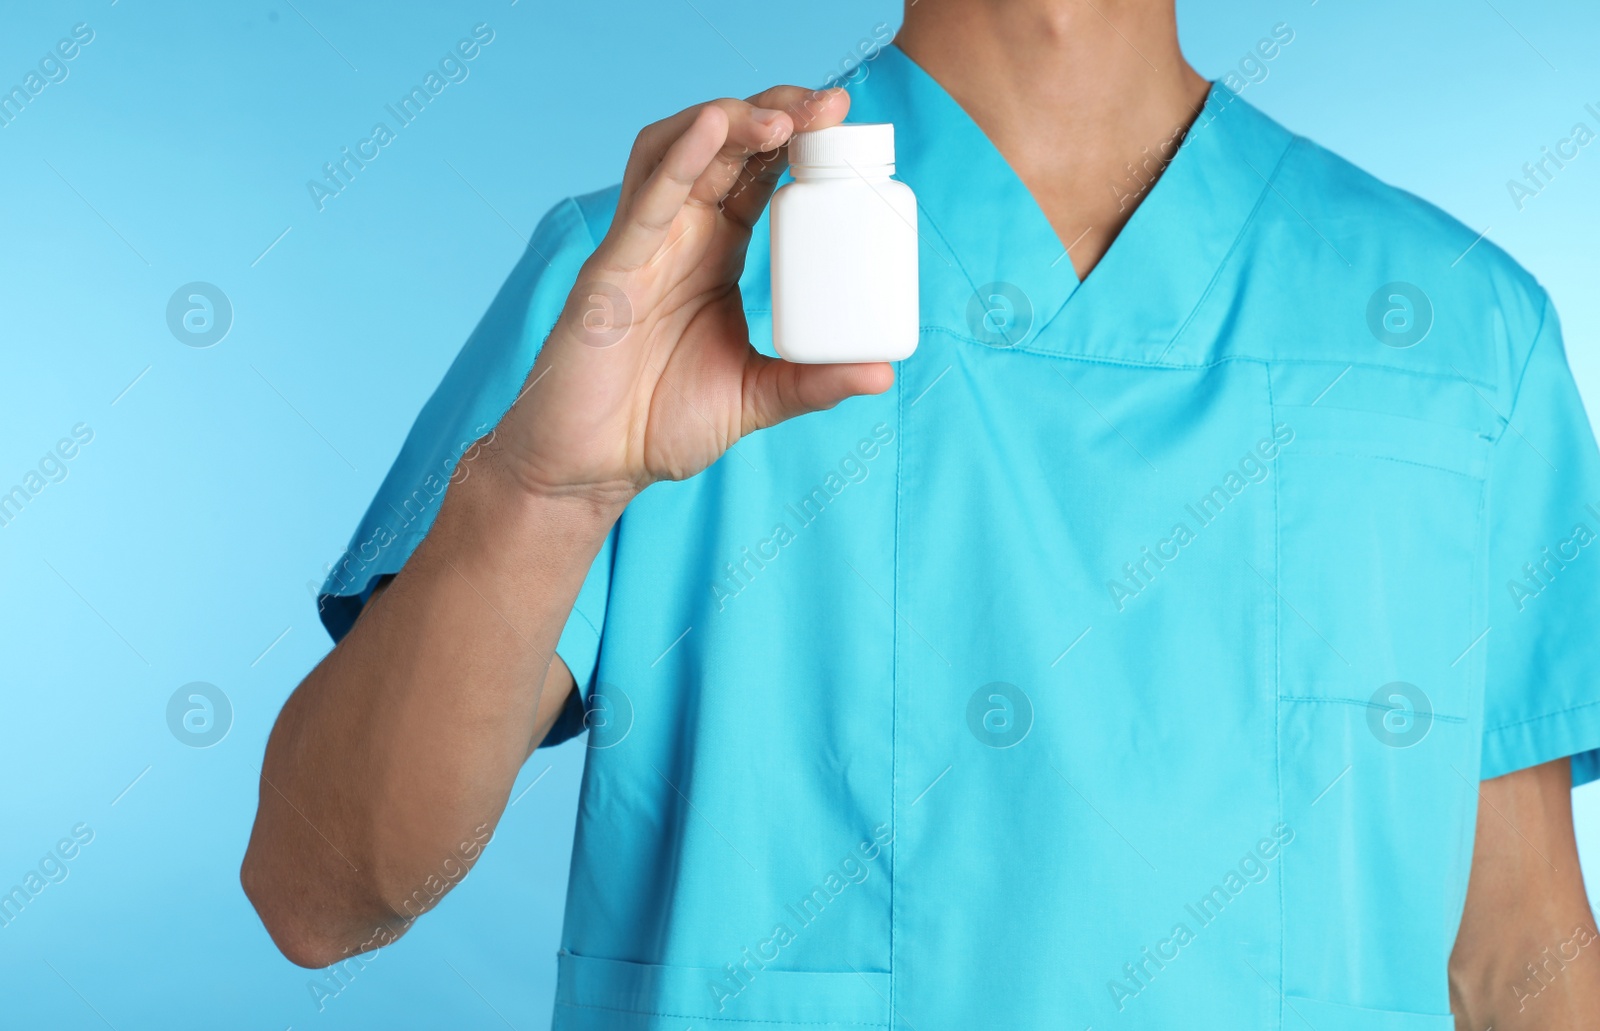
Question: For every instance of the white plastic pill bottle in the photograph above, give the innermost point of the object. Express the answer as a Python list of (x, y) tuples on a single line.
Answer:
[(844, 250)]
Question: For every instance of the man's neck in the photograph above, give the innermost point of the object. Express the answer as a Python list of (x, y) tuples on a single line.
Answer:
[(1071, 92)]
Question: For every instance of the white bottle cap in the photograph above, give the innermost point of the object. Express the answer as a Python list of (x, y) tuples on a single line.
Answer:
[(859, 146)]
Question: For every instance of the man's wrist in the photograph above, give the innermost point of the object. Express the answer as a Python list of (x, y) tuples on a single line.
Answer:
[(497, 503)]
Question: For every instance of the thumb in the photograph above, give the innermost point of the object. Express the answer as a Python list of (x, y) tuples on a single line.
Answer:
[(776, 390)]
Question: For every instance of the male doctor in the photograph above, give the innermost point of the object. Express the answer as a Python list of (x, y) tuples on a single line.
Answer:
[(1196, 631)]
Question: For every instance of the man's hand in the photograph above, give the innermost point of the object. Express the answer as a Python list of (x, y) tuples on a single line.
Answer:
[(1528, 953), (649, 375)]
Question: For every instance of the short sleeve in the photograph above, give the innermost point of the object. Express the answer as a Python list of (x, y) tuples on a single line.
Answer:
[(1542, 683), (478, 389)]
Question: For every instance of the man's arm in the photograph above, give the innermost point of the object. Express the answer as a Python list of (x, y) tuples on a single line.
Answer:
[(558, 682), (1527, 955), (392, 762)]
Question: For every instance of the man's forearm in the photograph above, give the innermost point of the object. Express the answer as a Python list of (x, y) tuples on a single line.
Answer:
[(1526, 955), (1539, 984), (393, 760)]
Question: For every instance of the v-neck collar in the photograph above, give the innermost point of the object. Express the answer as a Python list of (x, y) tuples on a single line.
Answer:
[(984, 236)]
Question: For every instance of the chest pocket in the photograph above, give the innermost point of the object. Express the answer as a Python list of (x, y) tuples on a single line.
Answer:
[(1380, 545)]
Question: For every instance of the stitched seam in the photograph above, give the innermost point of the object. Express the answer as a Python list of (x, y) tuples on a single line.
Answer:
[(956, 257), (1233, 248), (1093, 359), (583, 220), (894, 694), (1190, 366), (1477, 670), (1502, 728), (1522, 373), (1437, 717), (1465, 433), (1476, 676), (1332, 453), (594, 629), (1126, 363), (1277, 686), (725, 1020)]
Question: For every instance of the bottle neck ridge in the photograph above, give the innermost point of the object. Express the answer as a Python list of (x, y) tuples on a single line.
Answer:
[(809, 173)]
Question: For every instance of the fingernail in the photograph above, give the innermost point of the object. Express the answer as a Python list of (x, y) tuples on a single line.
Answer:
[(767, 116)]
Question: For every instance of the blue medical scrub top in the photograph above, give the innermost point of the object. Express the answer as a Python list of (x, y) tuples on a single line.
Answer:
[(1132, 663)]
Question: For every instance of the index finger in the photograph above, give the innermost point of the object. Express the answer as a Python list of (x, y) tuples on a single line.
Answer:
[(809, 110)]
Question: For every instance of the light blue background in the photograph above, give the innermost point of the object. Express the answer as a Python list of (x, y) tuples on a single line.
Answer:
[(181, 545)]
